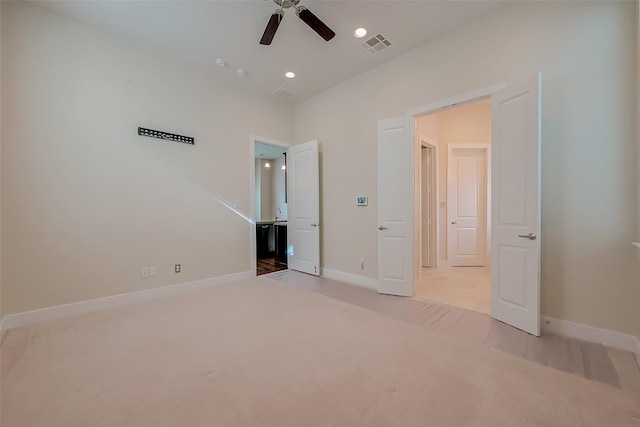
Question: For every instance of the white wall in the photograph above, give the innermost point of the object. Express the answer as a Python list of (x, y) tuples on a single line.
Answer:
[(586, 51), (0, 169), (270, 191), (279, 198), (257, 177), (266, 191), (638, 144), (87, 202)]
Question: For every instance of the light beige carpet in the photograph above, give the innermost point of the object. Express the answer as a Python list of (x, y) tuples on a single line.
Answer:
[(589, 360), (260, 353)]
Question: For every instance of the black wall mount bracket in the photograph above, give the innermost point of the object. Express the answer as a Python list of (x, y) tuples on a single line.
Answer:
[(166, 135)]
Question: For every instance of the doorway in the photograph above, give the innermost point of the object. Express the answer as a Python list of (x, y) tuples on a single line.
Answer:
[(429, 203), (285, 225), (269, 206), (515, 192), (455, 206)]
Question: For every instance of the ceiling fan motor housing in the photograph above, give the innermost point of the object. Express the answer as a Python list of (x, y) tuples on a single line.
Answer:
[(303, 13), (286, 4)]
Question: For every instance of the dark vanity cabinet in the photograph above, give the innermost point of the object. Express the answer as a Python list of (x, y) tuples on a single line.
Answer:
[(265, 240), (281, 243), (271, 241)]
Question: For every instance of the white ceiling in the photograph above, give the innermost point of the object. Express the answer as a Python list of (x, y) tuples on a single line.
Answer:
[(198, 32)]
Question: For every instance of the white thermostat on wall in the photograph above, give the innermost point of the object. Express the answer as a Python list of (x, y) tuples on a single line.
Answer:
[(361, 201)]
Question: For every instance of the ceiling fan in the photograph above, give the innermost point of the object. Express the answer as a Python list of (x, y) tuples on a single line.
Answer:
[(303, 13)]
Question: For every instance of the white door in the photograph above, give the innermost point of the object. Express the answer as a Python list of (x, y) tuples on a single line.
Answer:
[(395, 207), (515, 275), (467, 201), (303, 207)]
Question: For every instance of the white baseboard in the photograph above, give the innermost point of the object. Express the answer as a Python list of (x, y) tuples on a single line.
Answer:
[(583, 332), (352, 279), (29, 317)]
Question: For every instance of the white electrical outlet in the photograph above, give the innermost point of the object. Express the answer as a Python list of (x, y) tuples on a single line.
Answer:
[(144, 272), (152, 270), (177, 268)]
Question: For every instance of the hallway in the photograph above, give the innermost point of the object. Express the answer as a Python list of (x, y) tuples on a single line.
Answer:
[(463, 287)]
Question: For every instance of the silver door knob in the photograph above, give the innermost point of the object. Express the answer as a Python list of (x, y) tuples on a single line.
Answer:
[(530, 236), (314, 225), (381, 228)]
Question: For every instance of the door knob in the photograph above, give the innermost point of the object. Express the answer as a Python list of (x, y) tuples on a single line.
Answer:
[(381, 228), (314, 225), (454, 222), (530, 236)]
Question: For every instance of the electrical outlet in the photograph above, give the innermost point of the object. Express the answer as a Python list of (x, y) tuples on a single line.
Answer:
[(178, 269), (443, 204), (152, 271), (361, 263), (144, 272)]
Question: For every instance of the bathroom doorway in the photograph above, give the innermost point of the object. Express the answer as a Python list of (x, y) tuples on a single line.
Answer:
[(270, 180), (271, 207)]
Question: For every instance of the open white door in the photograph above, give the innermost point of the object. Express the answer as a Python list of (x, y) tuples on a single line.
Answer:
[(303, 207), (515, 249), (395, 207)]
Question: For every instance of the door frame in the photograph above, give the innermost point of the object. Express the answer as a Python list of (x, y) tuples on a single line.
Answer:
[(487, 198), (434, 235), (253, 213), (414, 114)]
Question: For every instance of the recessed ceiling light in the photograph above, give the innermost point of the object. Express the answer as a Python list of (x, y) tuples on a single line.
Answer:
[(360, 33), (290, 74)]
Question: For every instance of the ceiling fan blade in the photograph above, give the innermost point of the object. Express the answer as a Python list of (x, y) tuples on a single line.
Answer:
[(272, 27), (315, 23)]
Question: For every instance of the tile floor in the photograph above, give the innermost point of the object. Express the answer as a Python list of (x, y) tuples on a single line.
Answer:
[(464, 287)]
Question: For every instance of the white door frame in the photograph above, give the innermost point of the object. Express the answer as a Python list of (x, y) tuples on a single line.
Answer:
[(253, 213), (424, 110), (434, 236), (487, 198)]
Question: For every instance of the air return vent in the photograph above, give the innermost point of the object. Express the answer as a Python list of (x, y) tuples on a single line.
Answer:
[(282, 94), (376, 44)]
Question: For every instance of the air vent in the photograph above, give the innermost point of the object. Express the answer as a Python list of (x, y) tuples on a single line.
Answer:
[(376, 44), (282, 93)]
